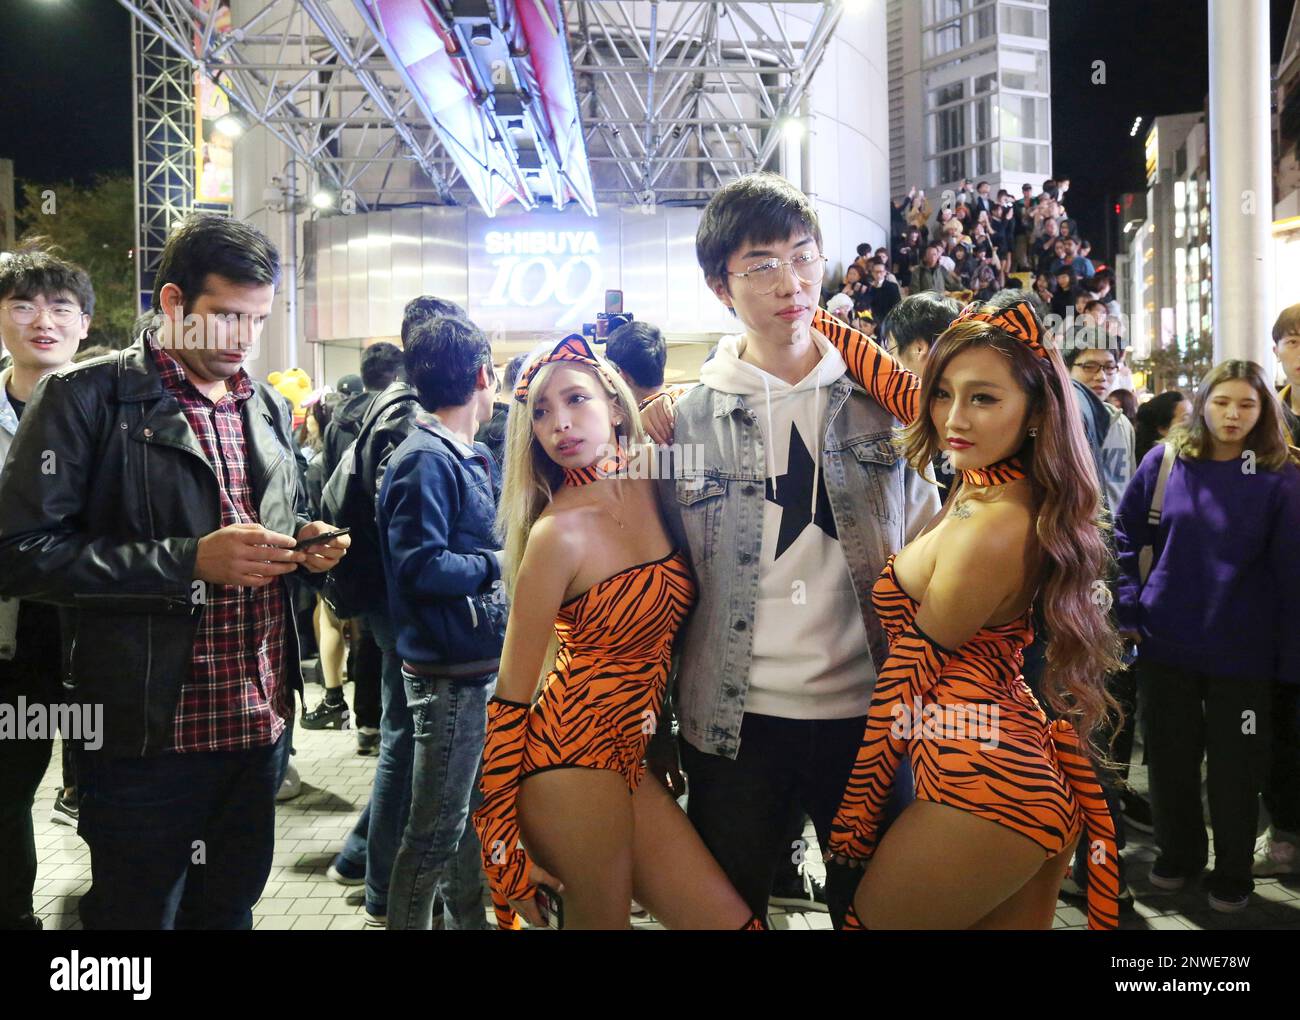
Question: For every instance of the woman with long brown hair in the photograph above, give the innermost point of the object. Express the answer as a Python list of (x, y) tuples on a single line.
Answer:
[(1209, 595), (1002, 794)]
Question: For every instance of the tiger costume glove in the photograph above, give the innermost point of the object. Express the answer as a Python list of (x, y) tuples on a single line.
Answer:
[(505, 862), (914, 665)]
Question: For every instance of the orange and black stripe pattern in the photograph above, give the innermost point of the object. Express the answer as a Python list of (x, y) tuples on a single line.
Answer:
[(573, 347), (1013, 768), (504, 861), (599, 705), (892, 386), (1019, 321)]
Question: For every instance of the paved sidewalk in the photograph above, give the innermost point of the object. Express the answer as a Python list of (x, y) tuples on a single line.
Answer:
[(336, 785)]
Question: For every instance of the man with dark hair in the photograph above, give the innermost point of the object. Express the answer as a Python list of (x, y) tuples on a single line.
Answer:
[(930, 275), (910, 331), (45, 309), (882, 295), (639, 352), (371, 846), (381, 365), (442, 567), (492, 434), (164, 536), (1280, 854), (1068, 258), (790, 450)]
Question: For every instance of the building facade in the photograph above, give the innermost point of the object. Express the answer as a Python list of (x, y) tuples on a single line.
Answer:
[(969, 94)]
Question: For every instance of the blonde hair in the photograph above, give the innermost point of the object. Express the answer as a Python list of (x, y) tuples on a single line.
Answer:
[(531, 477)]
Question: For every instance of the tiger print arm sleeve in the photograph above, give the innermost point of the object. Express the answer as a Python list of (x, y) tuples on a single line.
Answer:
[(891, 385), (504, 861), (914, 665)]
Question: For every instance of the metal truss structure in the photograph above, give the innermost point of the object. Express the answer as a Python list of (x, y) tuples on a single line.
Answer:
[(674, 96), (677, 97)]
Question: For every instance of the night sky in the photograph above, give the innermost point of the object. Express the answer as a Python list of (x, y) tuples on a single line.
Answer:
[(67, 113)]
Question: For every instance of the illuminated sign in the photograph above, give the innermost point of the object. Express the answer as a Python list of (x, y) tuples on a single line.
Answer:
[(1152, 154), (540, 271)]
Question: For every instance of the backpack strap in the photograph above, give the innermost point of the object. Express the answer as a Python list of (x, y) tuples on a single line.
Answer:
[(1146, 555)]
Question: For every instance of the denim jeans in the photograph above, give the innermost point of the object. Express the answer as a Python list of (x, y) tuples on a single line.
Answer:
[(178, 840), (742, 807), (440, 850), (372, 844)]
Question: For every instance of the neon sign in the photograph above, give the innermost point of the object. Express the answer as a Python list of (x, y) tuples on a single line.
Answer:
[(537, 268)]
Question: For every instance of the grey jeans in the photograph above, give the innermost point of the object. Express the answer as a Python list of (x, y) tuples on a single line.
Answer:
[(440, 852)]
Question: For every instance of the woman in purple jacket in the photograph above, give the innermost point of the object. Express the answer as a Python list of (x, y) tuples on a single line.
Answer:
[(1215, 620)]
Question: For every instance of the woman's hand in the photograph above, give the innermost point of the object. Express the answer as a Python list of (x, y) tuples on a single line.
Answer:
[(528, 909)]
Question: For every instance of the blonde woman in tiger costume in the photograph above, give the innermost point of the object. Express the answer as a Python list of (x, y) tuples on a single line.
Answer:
[(995, 823), (588, 561)]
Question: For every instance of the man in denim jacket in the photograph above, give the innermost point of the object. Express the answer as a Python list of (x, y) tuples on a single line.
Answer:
[(790, 497), (442, 565)]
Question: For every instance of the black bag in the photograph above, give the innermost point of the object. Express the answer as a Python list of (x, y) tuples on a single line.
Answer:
[(356, 584)]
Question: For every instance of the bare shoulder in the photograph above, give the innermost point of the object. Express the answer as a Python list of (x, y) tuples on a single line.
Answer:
[(995, 527), (555, 541)]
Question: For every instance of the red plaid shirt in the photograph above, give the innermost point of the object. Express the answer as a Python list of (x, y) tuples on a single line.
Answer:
[(234, 697)]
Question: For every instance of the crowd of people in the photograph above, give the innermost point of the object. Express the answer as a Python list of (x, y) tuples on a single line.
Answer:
[(559, 583)]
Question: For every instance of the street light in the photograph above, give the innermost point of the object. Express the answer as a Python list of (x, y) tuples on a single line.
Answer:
[(793, 128), (231, 125), (323, 199)]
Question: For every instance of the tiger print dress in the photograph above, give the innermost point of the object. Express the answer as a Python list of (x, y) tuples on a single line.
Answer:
[(599, 704), (975, 735)]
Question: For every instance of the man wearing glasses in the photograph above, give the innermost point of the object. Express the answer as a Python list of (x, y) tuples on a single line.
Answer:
[(1095, 369), (792, 501), (45, 309)]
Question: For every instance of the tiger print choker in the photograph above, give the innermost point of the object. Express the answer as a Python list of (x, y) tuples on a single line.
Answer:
[(605, 467), (1009, 470)]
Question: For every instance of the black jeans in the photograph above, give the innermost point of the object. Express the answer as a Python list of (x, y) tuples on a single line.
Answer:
[(33, 674), (742, 807), (365, 667), (179, 840), (1189, 716), (1282, 786)]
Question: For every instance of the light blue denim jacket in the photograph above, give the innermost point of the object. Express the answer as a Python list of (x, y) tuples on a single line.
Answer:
[(713, 502)]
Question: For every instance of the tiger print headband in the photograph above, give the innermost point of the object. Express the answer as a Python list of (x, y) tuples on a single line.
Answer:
[(1019, 321), (572, 348)]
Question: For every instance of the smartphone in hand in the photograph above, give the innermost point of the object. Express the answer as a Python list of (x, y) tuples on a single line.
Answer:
[(318, 539)]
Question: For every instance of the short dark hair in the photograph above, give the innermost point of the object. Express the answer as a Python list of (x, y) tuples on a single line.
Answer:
[(1287, 322), (380, 364), (513, 367), (425, 307), (638, 348), (443, 356), (759, 208), (207, 243), (921, 316), (34, 272), (1026, 186), (863, 249)]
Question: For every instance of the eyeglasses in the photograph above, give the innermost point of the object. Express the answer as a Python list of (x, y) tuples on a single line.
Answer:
[(25, 314), (1093, 367), (764, 277)]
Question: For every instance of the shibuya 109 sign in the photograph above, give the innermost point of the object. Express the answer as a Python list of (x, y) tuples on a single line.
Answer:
[(540, 271)]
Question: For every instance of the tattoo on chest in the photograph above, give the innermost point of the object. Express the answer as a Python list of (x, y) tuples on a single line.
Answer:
[(961, 510)]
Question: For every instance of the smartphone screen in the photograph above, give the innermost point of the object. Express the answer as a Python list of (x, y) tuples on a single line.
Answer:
[(613, 302)]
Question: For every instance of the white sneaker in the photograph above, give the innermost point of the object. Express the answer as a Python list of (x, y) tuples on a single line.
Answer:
[(292, 785), (1278, 858)]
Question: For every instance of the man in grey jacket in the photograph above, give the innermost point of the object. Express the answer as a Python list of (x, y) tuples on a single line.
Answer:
[(789, 498)]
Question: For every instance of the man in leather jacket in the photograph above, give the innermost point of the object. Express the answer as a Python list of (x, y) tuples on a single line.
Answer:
[(154, 498)]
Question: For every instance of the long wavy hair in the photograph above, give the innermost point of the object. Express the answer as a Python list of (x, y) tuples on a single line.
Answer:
[(1268, 439), (530, 477), (1082, 644)]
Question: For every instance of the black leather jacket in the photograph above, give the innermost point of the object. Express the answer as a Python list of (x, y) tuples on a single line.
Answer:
[(103, 499)]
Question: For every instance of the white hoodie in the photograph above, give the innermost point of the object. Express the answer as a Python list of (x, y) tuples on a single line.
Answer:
[(810, 655)]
